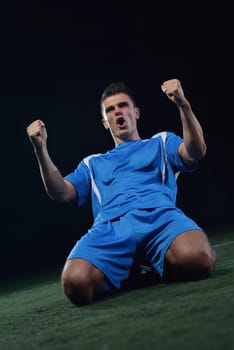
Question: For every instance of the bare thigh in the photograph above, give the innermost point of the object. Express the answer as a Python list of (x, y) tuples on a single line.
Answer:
[(82, 271), (191, 253), (187, 243), (82, 281)]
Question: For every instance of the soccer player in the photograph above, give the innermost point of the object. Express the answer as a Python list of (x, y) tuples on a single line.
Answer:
[(133, 191)]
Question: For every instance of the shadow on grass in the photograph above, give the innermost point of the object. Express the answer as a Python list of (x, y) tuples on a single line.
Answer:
[(222, 272)]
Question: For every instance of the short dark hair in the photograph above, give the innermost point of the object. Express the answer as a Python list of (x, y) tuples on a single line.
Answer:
[(117, 88)]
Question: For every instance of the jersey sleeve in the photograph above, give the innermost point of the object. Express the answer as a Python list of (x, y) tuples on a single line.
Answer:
[(80, 178), (173, 142)]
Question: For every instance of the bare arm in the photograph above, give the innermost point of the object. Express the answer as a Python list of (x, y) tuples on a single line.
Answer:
[(56, 187), (194, 147)]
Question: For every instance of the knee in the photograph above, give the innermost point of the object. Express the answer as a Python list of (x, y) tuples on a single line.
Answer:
[(77, 287), (204, 261), (194, 265)]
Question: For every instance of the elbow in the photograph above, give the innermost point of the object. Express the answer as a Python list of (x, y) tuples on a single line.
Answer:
[(64, 193), (203, 152), (58, 197), (193, 154), (53, 197), (199, 153)]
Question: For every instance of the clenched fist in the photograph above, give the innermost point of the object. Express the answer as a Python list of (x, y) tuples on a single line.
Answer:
[(173, 89), (37, 133)]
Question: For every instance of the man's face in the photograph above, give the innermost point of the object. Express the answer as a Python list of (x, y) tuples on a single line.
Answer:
[(120, 116)]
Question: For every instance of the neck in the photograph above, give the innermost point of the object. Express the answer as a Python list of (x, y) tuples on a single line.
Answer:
[(118, 140)]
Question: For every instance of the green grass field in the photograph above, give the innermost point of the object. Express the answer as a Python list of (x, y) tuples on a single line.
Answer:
[(191, 315)]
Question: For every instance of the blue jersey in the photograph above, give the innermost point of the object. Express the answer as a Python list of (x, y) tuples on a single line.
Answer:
[(135, 174)]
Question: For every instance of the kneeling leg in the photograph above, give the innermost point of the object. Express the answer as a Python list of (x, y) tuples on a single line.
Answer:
[(82, 282), (189, 257)]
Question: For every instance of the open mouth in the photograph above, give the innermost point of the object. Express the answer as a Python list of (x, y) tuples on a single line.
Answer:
[(120, 121)]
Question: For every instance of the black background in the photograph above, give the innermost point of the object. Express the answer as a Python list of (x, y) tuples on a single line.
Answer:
[(55, 60)]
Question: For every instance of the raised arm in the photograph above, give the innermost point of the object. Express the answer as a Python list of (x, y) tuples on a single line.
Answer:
[(56, 187), (194, 147)]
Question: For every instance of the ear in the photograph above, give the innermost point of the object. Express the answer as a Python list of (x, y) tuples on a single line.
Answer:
[(105, 123), (138, 112)]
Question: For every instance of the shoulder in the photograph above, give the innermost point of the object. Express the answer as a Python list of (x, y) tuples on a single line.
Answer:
[(166, 136), (86, 160), (162, 134), (169, 140)]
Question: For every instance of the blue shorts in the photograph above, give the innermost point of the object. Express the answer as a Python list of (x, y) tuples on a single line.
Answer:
[(115, 245)]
